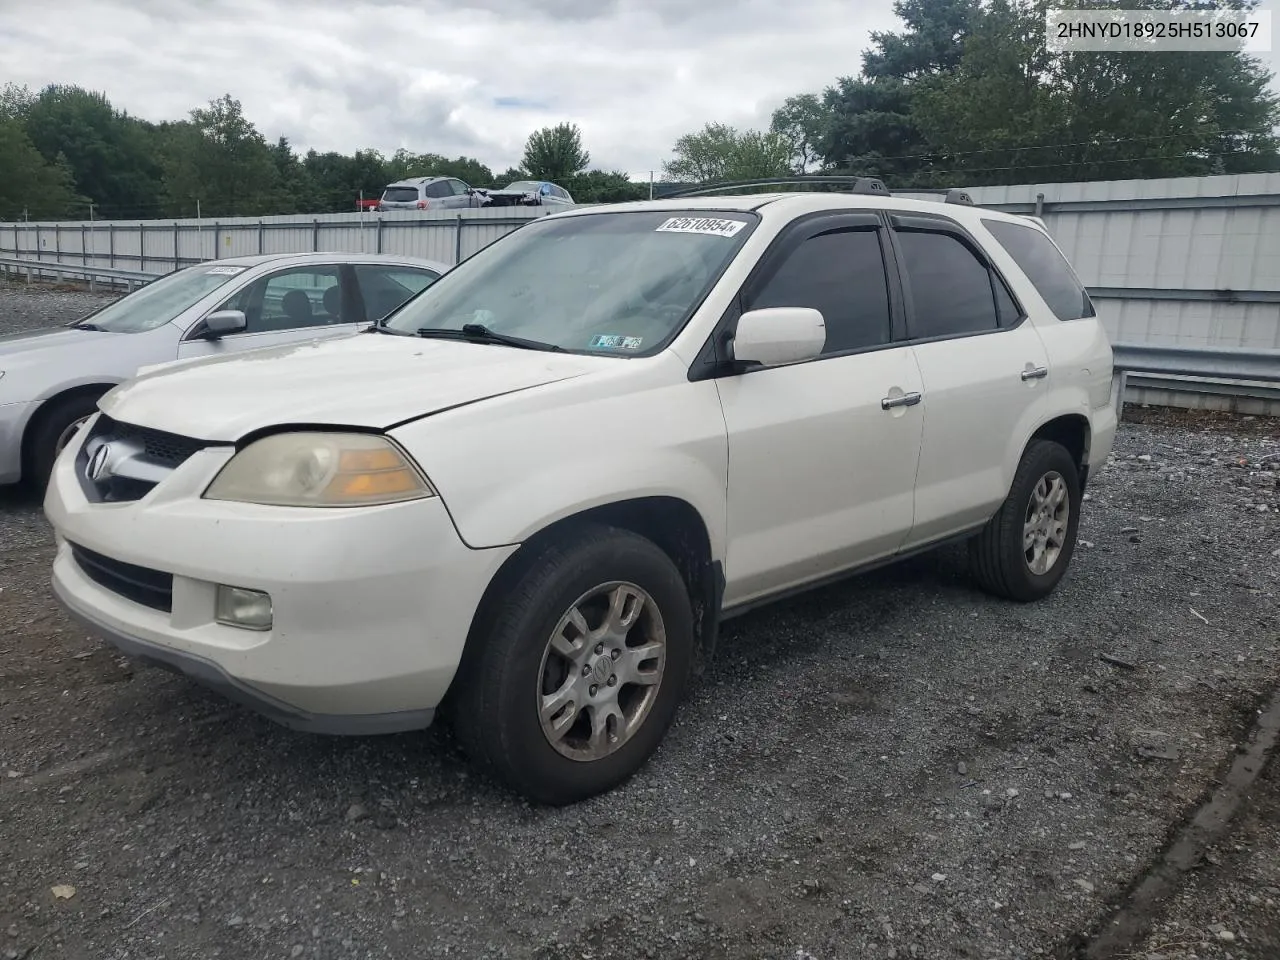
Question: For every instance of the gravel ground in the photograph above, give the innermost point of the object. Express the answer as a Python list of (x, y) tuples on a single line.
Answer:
[(896, 767)]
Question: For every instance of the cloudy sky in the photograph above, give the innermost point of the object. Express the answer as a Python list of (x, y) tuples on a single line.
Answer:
[(454, 77), (471, 77)]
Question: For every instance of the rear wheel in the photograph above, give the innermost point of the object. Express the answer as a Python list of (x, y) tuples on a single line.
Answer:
[(56, 425), (581, 667), (1024, 550)]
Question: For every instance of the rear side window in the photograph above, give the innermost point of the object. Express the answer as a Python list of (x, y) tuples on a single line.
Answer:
[(400, 194), (438, 188), (840, 274), (951, 290), (1045, 267)]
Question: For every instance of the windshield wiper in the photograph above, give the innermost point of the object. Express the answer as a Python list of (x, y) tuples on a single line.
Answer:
[(82, 325), (379, 328), (479, 333)]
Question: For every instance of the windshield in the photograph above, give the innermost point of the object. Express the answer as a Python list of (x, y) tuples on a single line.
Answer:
[(619, 284), (524, 186), (161, 300)]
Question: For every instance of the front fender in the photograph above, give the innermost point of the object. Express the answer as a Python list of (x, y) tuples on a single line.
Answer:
[(510, 467)]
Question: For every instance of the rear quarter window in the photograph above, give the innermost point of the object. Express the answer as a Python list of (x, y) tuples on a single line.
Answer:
[(1046, 268)]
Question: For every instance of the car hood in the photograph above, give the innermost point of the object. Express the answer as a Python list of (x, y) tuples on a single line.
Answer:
[(32, 346), (365, 380)]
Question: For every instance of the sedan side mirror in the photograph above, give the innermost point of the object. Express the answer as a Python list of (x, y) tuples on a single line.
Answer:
[(223, 322), (779, 335)]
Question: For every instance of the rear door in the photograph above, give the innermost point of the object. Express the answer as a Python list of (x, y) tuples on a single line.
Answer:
[(384, 287), (983, 368), (289, 305)]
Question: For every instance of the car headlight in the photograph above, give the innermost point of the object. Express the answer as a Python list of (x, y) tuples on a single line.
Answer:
[(320, 470)]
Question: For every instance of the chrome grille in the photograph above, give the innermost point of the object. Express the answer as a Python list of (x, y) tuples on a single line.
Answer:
[(137, 459)]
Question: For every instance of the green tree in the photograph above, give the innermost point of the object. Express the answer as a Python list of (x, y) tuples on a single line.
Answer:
[(555, 153), (719, 152), (220, 160), (31, 186), (802, 122), (15, 101), (597, 186), (111, 155), (509, 176)]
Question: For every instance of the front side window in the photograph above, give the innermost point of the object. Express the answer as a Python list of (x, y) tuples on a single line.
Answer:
[(620, 284), (950, 288), (289, 299), (1046, 268), (840, 274), (162, 300)]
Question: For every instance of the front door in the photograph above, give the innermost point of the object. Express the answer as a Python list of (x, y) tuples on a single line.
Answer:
[(291, 305), (821, 468)]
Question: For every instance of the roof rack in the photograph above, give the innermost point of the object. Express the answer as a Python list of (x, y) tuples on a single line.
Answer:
[(860, 185), (950, 194)]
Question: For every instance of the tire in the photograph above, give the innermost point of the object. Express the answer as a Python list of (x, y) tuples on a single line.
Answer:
[(524, 710), (1000, 562), (50, 432)]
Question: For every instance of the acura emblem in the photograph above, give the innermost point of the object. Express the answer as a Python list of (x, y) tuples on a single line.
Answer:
[(99, 468)]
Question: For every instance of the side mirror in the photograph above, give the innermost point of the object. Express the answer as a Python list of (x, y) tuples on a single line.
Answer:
[(220, 323), (779, 335)]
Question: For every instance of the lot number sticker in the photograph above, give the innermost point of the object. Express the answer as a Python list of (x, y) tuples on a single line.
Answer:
[(711, 225), (224, 271)]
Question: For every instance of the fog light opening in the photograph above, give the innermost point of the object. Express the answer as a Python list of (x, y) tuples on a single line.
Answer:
[(246, 609)]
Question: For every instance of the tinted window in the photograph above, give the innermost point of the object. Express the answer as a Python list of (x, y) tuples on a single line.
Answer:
[(439, 188), (385, 288), (1008, 309), (950, 288), (1045, 267), (289, 299), (400, 194), (841, 275)]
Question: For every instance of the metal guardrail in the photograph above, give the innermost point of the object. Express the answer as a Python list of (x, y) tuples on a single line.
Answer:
[(1229, 371), (37, 269)]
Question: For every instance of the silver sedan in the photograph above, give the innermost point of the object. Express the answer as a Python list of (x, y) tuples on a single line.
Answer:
[(50, 380)]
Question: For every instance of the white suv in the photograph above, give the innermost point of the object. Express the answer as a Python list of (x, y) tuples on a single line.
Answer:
[(529, 497)]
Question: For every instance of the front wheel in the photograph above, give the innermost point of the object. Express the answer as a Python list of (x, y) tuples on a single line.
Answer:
[(55, 427), (580, 667), (1024, 550)]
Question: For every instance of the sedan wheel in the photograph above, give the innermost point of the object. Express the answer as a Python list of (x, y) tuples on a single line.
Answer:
[(65, 436)]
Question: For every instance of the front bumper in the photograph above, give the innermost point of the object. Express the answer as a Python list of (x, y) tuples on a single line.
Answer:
[(371, 605)]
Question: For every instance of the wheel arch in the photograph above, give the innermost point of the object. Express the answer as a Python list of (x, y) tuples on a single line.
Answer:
[(92, 389), (1073, 432), (673, 524)]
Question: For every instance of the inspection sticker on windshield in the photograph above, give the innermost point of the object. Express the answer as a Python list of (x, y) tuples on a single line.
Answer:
[(607, 341), (224, 271), (712, 225)]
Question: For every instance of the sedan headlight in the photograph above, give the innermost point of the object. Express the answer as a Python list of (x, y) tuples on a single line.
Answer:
[(320, 470)]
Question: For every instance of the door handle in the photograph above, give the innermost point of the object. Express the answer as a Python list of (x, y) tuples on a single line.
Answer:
[(1035, 373), (906, 400)]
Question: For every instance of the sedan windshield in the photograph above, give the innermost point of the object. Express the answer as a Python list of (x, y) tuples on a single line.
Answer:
[(621, 284), (161, 300), (524, 186)]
